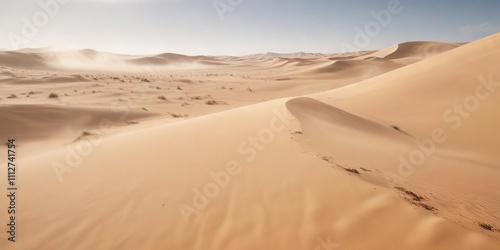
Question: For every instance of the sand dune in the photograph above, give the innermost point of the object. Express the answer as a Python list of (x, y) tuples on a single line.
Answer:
[(171, 58), (34, 50), (257, 200), (22, 60), (357, 68), (286, 55), (436, 84), (259, 152), (101, 61), (420, 49), (410, 51), (311, 111), (466, 144), (13, 79), (53, 124), (6, 74)]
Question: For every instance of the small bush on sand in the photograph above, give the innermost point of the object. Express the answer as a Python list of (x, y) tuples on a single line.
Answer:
[(53, 95), (352, 170), (178, 115), (413, 195), (86, 133), (424, 206), (486, 226)]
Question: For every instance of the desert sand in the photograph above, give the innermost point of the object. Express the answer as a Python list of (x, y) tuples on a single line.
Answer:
[(388, 149)]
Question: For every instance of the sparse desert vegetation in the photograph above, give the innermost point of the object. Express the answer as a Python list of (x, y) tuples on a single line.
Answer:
[(413, 195), (396, 127), (424, 206), (415, 199), (352, 170), (86, 133), (178, 115), (211, 102), (486, 226)]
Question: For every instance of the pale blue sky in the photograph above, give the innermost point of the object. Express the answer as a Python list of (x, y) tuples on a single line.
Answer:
[(254, 26)]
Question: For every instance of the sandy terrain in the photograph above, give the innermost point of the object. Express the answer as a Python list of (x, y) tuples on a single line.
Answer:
[(388, 149)]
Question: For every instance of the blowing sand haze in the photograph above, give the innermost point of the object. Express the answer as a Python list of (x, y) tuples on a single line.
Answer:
[(168, 125)]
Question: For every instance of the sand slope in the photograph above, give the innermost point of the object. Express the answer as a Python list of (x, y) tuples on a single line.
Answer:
[(452, 95), (410, 51), (19, 120), (133, 202), (21, 60)]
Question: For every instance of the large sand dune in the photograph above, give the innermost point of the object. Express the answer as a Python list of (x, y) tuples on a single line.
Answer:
[(259, 152)]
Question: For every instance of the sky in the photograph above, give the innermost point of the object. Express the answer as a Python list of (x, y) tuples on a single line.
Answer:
[(241, 27)]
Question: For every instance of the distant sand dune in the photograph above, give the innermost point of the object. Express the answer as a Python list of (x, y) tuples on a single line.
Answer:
[(354, 67), (6, 75), (45, 79), (420, 49), (22, 60), (37, 122)]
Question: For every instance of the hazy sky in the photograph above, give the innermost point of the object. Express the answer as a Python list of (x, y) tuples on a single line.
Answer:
[(241, 27)]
